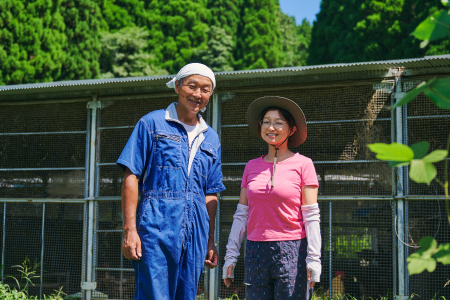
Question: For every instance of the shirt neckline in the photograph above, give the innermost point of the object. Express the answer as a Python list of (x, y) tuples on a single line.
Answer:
[(278, 162)]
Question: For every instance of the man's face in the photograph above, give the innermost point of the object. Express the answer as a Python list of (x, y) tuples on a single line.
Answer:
[(193, 94)]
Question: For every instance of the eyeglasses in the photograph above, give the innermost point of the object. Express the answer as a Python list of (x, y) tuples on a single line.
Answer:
[(193, 88), (277, 124)]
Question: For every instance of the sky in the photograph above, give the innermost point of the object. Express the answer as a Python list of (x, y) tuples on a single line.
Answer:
[(301, 9)]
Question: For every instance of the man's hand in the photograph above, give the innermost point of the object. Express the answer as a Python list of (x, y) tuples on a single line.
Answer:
[(212, 256), (131, 245)]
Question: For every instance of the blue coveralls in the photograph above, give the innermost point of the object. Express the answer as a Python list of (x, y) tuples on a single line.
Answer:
[(172, 220)]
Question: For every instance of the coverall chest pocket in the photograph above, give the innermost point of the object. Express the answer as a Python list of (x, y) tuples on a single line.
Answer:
[(168, 150), (206, 157)]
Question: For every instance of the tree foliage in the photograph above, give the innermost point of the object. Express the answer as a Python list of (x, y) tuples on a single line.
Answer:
[(45, 40), (258, 44), (50, 40), (262, 36), (124, 54), (295, 40), (370, 30), (218, 51)]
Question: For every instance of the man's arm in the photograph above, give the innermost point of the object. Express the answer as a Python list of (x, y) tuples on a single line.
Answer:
[(212, 256), (131, 245)]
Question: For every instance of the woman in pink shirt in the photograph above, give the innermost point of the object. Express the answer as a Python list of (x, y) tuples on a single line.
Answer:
[(277, 209)]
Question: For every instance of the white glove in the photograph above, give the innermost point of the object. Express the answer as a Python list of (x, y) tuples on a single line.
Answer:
[(237, 234), (311, 222)]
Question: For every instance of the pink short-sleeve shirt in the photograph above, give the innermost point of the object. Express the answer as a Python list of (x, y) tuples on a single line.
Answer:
[(275, 213)]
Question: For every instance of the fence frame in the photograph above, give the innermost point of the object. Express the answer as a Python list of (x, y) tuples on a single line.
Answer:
[(94, 103)]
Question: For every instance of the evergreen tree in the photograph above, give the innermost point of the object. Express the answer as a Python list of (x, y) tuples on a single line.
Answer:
[(369, 30), (84, 22), (262, 32), (31, 41), (226, 15), (218, 52), (45, 40), (295, 40), (258, 36), (124, 56), (304, 35), (178, 30), (117, 16)]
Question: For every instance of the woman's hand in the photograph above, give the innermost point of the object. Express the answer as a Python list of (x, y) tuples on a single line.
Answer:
[(308, 277), (228, 280)]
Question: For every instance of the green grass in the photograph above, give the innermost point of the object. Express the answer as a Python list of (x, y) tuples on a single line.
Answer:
[(27, 275)]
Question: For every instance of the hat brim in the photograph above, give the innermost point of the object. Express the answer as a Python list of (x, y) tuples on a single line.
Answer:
[(257, 106)]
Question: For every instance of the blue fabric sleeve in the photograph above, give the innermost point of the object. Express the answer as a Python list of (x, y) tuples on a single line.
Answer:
[(215, 184), (136, 153)]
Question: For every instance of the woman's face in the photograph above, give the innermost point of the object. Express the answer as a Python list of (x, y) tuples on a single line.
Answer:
[(274, 129)]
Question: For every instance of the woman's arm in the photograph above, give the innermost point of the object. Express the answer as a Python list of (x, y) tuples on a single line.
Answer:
[(309, 194), (311, 223), (243, 197), (237, 234)]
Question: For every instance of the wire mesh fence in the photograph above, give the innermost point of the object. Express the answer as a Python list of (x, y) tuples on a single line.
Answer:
[(42, 150), (48, 239), (428, 218), (44, 155), (427, 122)]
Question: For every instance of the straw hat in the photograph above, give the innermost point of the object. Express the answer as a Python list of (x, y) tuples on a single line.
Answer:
[(257, 106)]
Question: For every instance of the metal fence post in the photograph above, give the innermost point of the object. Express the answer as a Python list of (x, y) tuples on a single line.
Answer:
[(89, 285), (3, 239), (42, 250), (330, 236), (213, 274), (400, 196), (86, 195)]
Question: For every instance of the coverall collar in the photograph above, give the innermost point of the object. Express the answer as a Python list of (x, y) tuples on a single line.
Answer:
[(171, 115)]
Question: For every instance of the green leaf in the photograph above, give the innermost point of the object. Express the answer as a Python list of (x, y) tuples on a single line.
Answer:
[(435, 156), (422, 172), (443, 254), (413, 93), (424, 43), (428, 246), (445, 2), (434, 27), (394, 152), (420, 149), (398, 163), (422, 260), (439, 92), (417, 264)]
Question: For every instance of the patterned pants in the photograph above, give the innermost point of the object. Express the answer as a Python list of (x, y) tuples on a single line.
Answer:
[(276, 270)]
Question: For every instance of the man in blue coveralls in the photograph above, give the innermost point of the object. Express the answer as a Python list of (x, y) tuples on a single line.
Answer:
[(173, 159)]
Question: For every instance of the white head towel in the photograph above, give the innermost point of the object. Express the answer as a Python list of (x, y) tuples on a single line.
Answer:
[(193, 69)]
